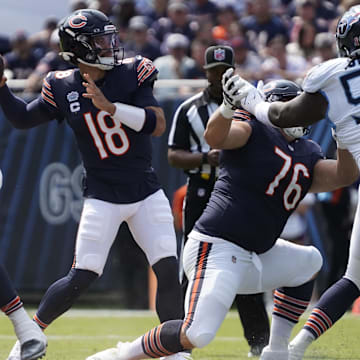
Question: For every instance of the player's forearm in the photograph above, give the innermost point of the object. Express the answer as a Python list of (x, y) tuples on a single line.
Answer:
[(217, 130), (18, 112), (185, 159)]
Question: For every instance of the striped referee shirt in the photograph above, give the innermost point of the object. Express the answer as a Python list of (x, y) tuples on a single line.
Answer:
[(188, 126)]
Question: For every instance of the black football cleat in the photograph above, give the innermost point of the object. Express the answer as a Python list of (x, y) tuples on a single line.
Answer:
[(33, 349)]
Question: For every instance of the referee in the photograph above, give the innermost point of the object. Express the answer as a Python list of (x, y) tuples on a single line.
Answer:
[(188, 150)]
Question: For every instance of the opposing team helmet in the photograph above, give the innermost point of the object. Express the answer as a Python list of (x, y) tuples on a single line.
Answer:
[(284, 90), (87, 36), (348, 33)]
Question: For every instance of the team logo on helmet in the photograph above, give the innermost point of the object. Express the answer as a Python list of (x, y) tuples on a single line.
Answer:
[(342, 27), (219, 54), (78, 21)]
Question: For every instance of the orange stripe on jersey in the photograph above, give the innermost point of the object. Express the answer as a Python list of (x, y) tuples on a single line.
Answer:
[(195, 291), (47, 92), (47, 99), (241, 115), (147, 75)]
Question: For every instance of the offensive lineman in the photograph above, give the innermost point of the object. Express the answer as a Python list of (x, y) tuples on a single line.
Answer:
[(234, 246), (331, 90), (110, 106)]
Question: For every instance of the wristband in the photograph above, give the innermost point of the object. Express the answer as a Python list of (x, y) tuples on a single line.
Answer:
[(138, 119), (226, 111), (204, 158), (262, 113)]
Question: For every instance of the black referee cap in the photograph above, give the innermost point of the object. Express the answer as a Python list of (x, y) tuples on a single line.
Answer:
[(219, 55)]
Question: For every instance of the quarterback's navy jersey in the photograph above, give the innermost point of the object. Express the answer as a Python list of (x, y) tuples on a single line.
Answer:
[(259, 186), (117, 159)]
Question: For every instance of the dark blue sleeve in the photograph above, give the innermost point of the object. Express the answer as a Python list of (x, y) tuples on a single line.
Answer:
[(21, 114)]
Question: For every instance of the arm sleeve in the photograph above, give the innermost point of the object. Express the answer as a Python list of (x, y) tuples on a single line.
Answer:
[(21, 114)]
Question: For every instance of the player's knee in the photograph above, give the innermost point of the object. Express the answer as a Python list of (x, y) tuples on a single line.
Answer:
[(353, 270), (80, 280), (200, 338), (91, 262), (316, 260)]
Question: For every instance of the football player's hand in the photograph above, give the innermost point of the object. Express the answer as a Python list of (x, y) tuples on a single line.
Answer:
[(96, 95), (213, 157), (250, 95), (231, 99)]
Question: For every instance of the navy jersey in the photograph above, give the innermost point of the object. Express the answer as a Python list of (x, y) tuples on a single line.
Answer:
[(259, 187), (117, 159)]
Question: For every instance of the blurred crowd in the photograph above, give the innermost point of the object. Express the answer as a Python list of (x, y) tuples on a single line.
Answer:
[(271, 38)]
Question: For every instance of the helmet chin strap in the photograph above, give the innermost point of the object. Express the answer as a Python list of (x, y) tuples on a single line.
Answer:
[(100, 66)]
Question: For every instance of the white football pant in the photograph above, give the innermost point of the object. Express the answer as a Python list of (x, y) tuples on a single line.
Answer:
[(218, 270), (150, 222)]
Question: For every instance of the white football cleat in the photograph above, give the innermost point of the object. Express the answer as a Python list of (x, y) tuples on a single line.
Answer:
[(183, 355), (269, 354), (296, 352), (15, 353), (118, 353)]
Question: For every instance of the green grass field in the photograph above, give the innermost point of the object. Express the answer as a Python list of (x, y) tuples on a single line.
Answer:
[(80, 333)]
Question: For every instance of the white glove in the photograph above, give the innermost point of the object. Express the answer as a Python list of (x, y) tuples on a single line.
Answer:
[(250, 95), (339, 145), (231, 98)]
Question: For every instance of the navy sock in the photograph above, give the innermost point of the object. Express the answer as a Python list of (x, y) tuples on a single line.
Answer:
[(7, 293), (163, 340), (331, 307)]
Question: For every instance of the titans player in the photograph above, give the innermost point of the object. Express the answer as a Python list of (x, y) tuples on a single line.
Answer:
[(110, 106), (331, 90), (234, 246)]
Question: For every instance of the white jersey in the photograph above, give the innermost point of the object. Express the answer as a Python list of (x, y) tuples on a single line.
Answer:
[(339, 81)]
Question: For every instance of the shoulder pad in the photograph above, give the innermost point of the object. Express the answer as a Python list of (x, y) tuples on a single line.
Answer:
[(145, 69), (241, 115), (318, 75)]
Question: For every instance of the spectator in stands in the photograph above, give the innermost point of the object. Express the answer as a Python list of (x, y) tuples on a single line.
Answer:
[(105, 6), (50, 62), (178, 21), (123, 11), (279, 64), (305, 13), (77, 5), (22, 60), (203, 10), (4, 44), (247, 62), (157, 10), (263, 25), (176, 64), (40, 41), (198, 49), (303, 42), (203, 31), (225, 19), (325, 48), (140, 42)]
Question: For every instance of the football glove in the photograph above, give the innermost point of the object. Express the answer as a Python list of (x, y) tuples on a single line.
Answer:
[(231, 98), (250, 95)]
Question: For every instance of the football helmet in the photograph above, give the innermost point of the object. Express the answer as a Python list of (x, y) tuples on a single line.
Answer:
[(284, 90), (87, 36), (348, 33)]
